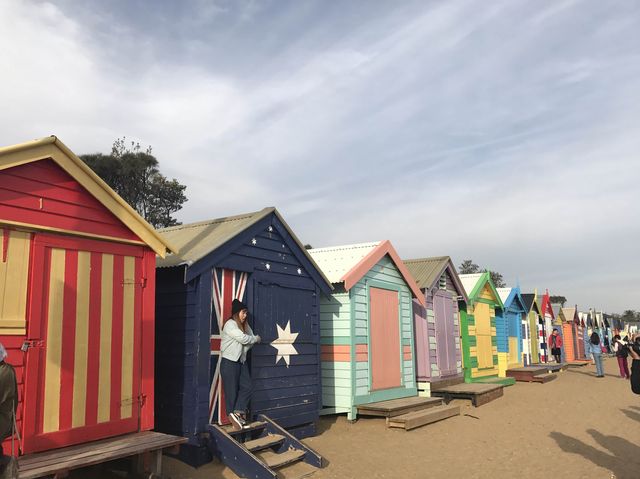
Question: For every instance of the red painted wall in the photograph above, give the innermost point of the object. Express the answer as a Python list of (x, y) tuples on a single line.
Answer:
[(42, 193), (16, 359)]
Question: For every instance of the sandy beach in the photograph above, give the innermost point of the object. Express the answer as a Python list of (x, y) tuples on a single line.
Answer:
[(576, 426)]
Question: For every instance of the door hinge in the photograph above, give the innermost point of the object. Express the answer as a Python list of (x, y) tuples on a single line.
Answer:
[(35, 343)]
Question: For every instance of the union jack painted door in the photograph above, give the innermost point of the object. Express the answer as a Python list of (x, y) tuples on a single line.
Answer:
[(227, 285), (83, 364)]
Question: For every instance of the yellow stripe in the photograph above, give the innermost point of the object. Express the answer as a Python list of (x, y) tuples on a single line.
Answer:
[(54, 343), (82, 340), (128, 303), (106, 322), (13, 282)]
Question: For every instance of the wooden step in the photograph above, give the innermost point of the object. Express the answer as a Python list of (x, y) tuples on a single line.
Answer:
[(275, 460), (264, 442), (420, 418), (478, 393), (253, 426), (396, 407), (297, 470)]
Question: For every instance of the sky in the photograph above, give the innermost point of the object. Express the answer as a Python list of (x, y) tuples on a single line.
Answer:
[(507, 132)]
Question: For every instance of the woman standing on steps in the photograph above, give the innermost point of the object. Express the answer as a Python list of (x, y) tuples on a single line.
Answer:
[(596, 351), (621, 355), (236, 340), (555, 344)]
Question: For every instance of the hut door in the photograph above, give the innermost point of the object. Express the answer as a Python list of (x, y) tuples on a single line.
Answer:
[(482, 316), (83, 360), (384, 324), (526, 340), (445, 332)]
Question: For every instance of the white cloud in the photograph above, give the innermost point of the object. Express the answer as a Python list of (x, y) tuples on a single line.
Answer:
[(503, 134)]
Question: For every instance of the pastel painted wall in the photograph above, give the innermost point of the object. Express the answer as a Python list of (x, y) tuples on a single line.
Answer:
[(346, 347), (479, 340)]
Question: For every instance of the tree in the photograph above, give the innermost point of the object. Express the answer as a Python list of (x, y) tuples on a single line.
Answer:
[(468, 267), (558, 299), (629, 315), (497, 279), (134, 174)]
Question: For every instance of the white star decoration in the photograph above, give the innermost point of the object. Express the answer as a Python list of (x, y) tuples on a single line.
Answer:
[(284, 343), (299, 271), (268, 266), (254, 241), (270, 228)]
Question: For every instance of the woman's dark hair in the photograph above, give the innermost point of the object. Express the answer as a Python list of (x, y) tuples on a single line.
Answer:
[(617, 337), (595, 339)]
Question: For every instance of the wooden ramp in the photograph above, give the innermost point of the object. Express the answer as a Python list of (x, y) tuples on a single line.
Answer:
[(58, 462), (409, 413), (478, 393), (531, 374), (263, 450)]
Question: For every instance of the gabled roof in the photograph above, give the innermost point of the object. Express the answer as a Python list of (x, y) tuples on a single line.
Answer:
[(571, 314), (530, 302), (473, 284), (52, 148), (510, 296), (349, 263), (197, 240), (545, 303), (427, 272)]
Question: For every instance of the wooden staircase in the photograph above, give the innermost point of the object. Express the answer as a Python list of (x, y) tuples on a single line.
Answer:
[(263, 450), (409, 413)]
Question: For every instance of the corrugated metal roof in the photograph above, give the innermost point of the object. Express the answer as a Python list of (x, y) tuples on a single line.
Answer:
[(469, 281), (504, 293), (336, 261), (196, 240), (426, 270)]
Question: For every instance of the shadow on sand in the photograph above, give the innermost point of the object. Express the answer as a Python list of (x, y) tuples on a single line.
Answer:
[(590, 373), (622, 458), (631, 415)]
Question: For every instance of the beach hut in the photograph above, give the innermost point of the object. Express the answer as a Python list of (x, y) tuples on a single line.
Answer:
[(536, 325), (558, 323), (366, 326), (77, 311), (548, 318), (518, 331), (256, 258), (437, 323), (478, 327), (573, 334)]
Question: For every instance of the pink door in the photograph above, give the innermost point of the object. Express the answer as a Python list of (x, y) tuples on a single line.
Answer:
[(384, 332)]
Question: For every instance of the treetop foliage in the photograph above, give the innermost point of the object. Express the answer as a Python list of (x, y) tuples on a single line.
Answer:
[(469, 267), (134, 174)]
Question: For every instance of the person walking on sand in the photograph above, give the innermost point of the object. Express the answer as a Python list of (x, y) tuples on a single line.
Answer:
[(596, 351), (555, 344), (634, 352), (8, 404), (622, 352), (236, 340)]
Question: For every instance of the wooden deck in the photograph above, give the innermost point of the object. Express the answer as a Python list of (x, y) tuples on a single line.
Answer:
[(531, 374), (60, 461), (578, 363), (396, 407), (478, 393), (416, 419)]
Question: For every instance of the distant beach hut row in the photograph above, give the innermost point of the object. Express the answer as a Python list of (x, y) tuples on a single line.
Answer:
[(114, 327)]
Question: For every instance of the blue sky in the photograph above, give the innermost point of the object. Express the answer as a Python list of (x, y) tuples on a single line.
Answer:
[(502, 131)]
